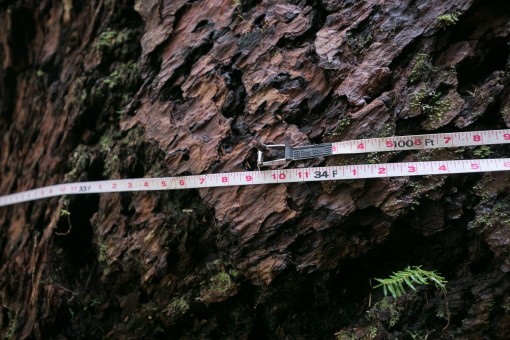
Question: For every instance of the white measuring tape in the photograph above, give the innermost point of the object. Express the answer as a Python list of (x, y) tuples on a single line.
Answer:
[(397, 143), (327, 173)]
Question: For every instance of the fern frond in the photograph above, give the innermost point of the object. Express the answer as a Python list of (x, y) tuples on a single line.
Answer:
[(410, 276)]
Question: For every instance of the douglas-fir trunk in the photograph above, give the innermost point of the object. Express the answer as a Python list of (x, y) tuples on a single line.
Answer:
[(93, 90)]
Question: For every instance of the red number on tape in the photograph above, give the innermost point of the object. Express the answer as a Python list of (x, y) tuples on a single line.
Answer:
[(475, 166), (477, 138), (163, 184), (300, 175), (181, 182), (443, 168), (248, 178), (280, 176), (381, 171), (224, 179)]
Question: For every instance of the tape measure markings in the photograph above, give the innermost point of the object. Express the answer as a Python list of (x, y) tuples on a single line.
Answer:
[(327, 173), (381, 144), (419, 142), (395, 143)]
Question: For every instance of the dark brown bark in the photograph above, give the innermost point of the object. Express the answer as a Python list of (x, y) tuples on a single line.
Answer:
[(116, 89)]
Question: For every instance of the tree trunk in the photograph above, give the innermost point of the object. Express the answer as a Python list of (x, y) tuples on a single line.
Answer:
[(101, 89)]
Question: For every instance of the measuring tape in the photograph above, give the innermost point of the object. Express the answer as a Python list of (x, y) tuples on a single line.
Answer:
[(326, 173), (397, 143)]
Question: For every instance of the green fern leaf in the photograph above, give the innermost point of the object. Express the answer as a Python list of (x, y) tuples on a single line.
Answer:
[(409, 283), (401, 287), (437, 282), (392, 290), (410, 276)]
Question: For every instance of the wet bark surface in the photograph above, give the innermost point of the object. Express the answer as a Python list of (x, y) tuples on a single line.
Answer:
[(117, 89)]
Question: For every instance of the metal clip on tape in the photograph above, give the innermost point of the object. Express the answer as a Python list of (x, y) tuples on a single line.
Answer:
[(286, 155), (294, 154)]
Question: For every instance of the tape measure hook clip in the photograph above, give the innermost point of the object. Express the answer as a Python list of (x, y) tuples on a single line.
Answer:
[(278, 148)]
